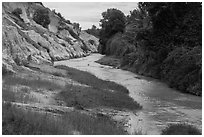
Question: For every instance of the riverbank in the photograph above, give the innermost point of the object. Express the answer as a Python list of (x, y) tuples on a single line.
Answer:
[(109, 61), (115, 62), (41, 95)]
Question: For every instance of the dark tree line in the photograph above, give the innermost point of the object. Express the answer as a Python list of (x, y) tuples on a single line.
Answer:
[(93, 31), (167, 37), (113, 21)]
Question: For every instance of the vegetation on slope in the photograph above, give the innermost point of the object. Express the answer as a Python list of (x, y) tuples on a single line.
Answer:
[(17, 121), (93, 93), (41, 16), (162, 40)]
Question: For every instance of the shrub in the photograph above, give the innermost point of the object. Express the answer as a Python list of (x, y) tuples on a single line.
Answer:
[(118, 46), (92, 42), (17, 12), (18, 61), (181, 68), (68, 21), (93, 31), (41, 16), (181, 129), (113, 21)]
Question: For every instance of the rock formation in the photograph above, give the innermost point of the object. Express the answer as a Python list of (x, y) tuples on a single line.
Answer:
[(24, 41)]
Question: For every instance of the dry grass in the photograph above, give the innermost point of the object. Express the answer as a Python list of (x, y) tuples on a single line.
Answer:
[(101, 93), (33, 83), (17, 89), (20, 122), (91, 97), (11, 96), (91, 80)]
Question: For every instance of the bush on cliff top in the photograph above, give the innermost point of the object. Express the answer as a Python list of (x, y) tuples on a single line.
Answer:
[(41, 16)]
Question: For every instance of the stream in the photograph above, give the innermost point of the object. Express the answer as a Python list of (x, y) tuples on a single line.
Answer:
[(161, 105)]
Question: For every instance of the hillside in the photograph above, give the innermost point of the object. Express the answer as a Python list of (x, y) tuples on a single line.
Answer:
[(25, 41)]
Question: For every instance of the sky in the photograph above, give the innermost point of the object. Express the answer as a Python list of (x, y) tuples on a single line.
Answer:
[(88, 13)]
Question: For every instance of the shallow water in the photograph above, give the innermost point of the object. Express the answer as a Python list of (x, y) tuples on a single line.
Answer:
[(161, 105)]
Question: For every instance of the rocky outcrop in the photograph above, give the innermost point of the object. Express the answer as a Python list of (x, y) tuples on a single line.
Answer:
[(24, 41)]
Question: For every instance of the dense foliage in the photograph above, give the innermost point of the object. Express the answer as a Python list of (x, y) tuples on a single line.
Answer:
[(41, 16), (167, 37), (93, 31), (113, 21)]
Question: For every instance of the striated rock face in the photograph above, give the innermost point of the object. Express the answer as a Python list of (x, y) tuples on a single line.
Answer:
[(25, 41)]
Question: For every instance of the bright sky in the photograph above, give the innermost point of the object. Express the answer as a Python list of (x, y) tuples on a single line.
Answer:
[(88, 13)]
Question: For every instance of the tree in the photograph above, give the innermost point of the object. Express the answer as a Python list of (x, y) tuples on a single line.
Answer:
[(137, 21), (76, 25), (171, 47), (60, 15), (113, 21), (93, 27), (41, 16), (93, 31)]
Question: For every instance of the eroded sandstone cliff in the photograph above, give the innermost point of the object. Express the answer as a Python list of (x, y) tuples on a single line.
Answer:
[(24, 41)]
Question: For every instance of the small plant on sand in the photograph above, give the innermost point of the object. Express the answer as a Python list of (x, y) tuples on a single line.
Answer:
[(181, 129)]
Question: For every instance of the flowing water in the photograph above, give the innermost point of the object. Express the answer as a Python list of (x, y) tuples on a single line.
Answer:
[(161, 105)]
